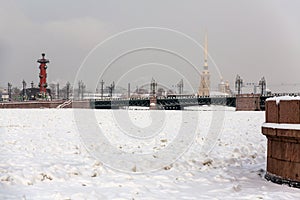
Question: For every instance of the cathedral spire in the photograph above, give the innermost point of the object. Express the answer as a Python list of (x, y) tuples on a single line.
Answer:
[(205, 52), (204, 89)]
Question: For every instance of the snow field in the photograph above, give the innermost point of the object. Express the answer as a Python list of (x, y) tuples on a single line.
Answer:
[(42, 157)]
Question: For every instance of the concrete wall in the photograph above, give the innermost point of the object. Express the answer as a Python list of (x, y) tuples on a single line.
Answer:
[(79, 104), (283, 156), (45, 104), (247, 102)]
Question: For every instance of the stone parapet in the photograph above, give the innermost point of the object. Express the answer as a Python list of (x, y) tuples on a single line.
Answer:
[(282, 129), (248, 102), (45, 104)]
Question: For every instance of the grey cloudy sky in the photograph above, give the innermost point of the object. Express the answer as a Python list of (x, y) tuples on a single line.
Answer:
[(252, 38)]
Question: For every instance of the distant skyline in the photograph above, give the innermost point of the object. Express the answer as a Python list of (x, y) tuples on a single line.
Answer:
[(252, 38)]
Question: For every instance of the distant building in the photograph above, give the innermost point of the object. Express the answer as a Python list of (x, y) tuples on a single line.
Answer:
[(140, 93), (161, 92), (224, 87), (4, 95), (34, 93)]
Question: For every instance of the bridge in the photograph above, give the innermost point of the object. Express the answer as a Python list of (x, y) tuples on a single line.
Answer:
[(166, 103), (174, 102)]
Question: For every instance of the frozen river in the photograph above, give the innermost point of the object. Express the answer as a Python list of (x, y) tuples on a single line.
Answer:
[(202, 153)]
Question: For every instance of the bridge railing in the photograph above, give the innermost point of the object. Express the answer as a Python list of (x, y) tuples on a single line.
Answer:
[(175, 96)]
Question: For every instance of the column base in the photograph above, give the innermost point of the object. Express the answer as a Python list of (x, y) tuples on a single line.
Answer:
[(279, 180)]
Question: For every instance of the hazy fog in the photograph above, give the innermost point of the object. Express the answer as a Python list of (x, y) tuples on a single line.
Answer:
[(252, 38)]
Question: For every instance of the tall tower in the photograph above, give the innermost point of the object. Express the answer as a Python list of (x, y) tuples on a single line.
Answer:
[(43, 75), (205, 76)]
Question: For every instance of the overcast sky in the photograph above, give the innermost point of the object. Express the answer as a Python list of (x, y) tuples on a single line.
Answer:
[(252, 38)]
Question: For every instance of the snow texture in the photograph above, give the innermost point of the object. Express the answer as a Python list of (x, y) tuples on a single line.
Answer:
[(42, 157), (282, 126), (283, 98)]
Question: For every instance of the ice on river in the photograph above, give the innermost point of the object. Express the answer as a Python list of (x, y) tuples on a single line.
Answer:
[(220, 154)]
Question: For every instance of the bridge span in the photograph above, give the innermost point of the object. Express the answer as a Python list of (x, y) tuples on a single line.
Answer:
[(166, 103), (176, 102)]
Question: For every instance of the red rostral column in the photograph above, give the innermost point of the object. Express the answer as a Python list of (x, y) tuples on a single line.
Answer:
[(43, 75)]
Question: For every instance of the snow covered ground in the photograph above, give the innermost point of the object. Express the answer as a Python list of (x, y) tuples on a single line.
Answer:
[(43, 157)]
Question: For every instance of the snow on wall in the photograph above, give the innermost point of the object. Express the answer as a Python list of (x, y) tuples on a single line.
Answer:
[(281, 126), (283, 98)]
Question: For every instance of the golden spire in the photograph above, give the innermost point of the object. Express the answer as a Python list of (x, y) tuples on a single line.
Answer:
[(205, 52)]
